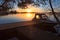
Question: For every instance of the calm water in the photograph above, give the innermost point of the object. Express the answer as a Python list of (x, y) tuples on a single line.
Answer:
[(51, 17), (16, 18), (21, 17)]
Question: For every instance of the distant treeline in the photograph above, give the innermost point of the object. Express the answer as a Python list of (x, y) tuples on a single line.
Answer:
[(2, 13), (7, 13)]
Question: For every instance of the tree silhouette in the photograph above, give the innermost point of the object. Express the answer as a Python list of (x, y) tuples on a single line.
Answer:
[(53, 11), (23, 3), (43, 2), (5, 4)]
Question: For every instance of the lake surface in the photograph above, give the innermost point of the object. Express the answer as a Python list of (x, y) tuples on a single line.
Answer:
[(20, 17), (51, 17)]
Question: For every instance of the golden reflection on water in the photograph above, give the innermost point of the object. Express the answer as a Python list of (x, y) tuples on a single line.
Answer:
[(19, 17), (29, 15), (26, 16)]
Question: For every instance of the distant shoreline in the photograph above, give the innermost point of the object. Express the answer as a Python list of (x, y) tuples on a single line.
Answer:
[(14, 12)]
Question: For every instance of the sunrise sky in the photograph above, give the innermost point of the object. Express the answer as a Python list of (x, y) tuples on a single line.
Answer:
[(41, 8)]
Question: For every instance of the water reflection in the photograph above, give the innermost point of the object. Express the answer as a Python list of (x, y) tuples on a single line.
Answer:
[(25, 16), (19, 17), (51, 17), (16, 18)]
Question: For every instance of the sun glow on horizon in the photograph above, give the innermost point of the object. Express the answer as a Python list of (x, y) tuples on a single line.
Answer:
[(26, 16), (29, 9)]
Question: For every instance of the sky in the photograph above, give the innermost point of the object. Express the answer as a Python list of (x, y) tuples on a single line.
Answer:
[(55, 3)]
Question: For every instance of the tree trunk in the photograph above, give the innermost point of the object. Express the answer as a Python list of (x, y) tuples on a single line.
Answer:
[(50, 3)]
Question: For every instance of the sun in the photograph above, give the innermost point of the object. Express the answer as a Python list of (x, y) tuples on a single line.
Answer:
[(28, 10)]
